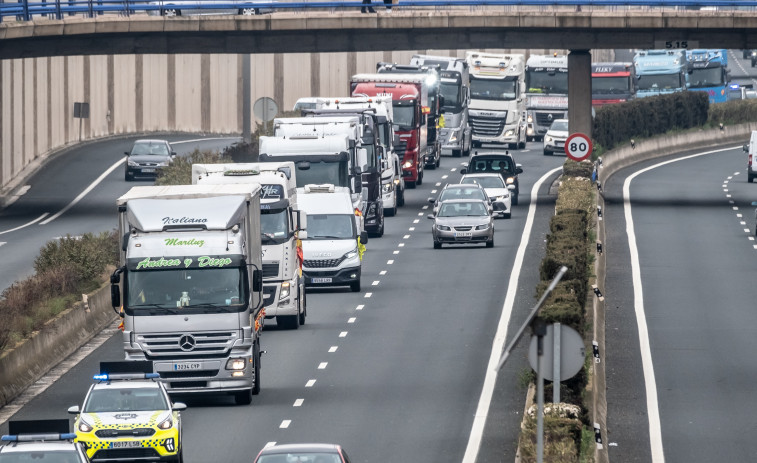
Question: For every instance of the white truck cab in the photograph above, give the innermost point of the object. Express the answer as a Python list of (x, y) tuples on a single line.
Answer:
[(751, 163), (332, 255)]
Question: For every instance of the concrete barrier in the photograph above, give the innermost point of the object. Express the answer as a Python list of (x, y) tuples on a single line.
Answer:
[(23, 365)]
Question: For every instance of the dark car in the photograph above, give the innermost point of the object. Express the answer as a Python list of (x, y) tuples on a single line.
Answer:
[(303, 453), (501, 163), (147, 157)]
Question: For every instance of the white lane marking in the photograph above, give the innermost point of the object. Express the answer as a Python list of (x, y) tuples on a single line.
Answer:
[(653, 408), (433, 192), (425, 207), (416, 220), (269, 444), (730, 177), (751, 238), (360, 307), (736, 173), (401, 245), (298, 403), (452, 170), (755, 246), (406, 237), (310, 383), (375, 283), (395, 252), (343, 334), (285, 424), (444, 176), (333, 349), (203, 139), (735, 208), (383, 272), (85, 192), (743, 223), (498, 344), (728, 196), (351, 320), (367, 295), (438, 184), (725, 186), (739, 215), (420, 214), (730, 202), (389, 262), (725, 190), (746, 230), (411, 229), (26, 224), (3, 242), (322, 365)]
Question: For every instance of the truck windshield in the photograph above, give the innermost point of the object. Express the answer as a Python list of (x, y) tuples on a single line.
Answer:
[(610, 85), (660, 81), (452, 93), (702, 78), (404, 116), (493, 89), (547, 82), (322, 172), (273, 226), (331, 226), (161, 292)]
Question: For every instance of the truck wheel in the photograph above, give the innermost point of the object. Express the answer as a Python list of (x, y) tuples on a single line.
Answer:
[(304, 311), (401, 198), (355, 286), (256, 355), (522, 144), (391, 211), (749, 178), (420, 179), (380, 231), (243, 397), (439, 159), (290, 322)]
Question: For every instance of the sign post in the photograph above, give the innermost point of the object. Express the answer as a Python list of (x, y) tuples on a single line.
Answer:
[(578, 147)]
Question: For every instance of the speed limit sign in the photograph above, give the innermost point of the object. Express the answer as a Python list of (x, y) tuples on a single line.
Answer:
[(578, 147)]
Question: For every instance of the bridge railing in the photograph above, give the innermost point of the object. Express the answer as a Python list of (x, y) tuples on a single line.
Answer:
[(25, 10)]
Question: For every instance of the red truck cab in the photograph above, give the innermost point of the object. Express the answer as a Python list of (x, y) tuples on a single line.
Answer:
[(409, 98)]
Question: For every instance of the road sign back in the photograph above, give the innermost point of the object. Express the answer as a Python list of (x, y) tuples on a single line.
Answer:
[(578, 147)]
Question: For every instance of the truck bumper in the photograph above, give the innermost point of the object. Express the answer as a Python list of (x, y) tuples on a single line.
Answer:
[(274, 304), (212, 377)]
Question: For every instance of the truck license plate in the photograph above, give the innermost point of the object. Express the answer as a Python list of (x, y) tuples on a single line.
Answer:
[(187, 366), (320, 280), (463, 234), (125, 444)]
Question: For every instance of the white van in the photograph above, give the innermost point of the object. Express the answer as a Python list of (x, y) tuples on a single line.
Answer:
[(751, 163), (331, 255)]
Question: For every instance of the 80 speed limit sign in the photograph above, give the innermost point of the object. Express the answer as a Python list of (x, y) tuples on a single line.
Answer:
[(578, 147)]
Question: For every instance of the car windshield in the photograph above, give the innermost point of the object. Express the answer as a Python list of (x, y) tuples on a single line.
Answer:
[(559, 125), (493, 89), (495, 181), (220, 288), (130, 399), (41, 456), (156, 148), (462, 193), (273, 226), (300, 457), (463, 209), (331, 226), (491, 165)]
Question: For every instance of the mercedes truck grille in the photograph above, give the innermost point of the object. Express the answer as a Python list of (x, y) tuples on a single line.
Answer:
[(487, 126), (400, 149), (189, 344), (271, 270)]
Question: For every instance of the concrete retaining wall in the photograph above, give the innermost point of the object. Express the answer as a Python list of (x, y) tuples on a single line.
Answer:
[(59, 338), (146, 93)]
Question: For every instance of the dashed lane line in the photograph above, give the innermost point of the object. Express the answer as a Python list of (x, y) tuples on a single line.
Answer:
[(310, 383), (375, 283), (368, 295), (298, 403), (333, 349), (401, 245), (389, 262), (285, 424), (360, 307), (383, 272), (323, 365), (406, 237), (351, 320), (343, 334)]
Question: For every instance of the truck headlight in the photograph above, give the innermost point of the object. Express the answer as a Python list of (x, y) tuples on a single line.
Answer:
[(387, 187), (284, 292), (530, 118), (510, 133), (407, 164), (235, 364), (167, 423), (453, 135), (84, 426)]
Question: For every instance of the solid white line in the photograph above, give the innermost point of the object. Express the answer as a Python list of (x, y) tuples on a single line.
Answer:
[(484, 401), (343, 334), (351, 320), (26, 224), (285, 424), (298, 403), (310, 383), (653, 409), (322, 365), (85, 192), (333, 349), (203, 139)]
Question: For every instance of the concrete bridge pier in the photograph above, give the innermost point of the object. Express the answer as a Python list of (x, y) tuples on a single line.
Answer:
[(579, 92)]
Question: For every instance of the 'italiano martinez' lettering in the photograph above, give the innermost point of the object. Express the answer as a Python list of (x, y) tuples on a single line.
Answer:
[(206, 261), (178, 220), (160, 263), (178, 242)]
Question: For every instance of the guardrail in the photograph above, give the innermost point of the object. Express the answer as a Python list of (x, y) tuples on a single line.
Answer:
[(25, 10)]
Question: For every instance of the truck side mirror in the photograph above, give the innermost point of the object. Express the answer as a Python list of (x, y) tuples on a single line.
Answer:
[(257, 280), (363, 237), (746, 148), (358, 183), (463, 171), (302, 220), (115, 298)]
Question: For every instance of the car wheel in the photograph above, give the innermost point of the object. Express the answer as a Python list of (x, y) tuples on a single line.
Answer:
[(171, 12), (127, 177), (749, 178), (439, 160), (355, 286), (290, 322), (490, 243), (508, 215), (547, 153), (304, 311), (256, 355), (437, 245), (515, 199)]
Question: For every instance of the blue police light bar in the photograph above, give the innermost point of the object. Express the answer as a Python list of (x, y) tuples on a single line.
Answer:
[(734, 86), (37, 437), (109, 377)]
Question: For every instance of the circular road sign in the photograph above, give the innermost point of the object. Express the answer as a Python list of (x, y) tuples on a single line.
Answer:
[(265, 109), (578, 147)]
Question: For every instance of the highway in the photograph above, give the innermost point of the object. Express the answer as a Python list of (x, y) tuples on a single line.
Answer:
[(393, 373)]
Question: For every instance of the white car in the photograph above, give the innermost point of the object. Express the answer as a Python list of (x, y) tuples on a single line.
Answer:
[(554, 139), (205, 7), (495, 188)]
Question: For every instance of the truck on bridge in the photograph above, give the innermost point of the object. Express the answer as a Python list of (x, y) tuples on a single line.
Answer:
[(709, 73), (546, 93), (455, 135), (660, 72), (612, 83), (497, 107)]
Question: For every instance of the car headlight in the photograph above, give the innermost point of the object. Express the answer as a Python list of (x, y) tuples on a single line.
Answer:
[(84, 426), (510, 180), (548, 139), (284, 290), (132, 163), (237, 363), (443, 228), (482, 227), (167, 423), (407, 164), (163, 164), (503, 197), (352, 254), (510, 133), (387, 187)]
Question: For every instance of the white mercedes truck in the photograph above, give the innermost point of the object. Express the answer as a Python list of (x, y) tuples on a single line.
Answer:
[(282, 226), (190, 285), (497, 106), (546, 92)]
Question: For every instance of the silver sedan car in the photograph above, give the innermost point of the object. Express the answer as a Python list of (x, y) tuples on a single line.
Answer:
[(463, 221), (458, 191), (498, 192)]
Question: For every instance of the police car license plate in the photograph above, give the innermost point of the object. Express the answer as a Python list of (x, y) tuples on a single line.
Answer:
[(187, 366), (463, 234), (320, 280), (125, 444)]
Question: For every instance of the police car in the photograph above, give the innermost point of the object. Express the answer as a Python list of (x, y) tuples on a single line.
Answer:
[(40, 441), (127, 415)]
